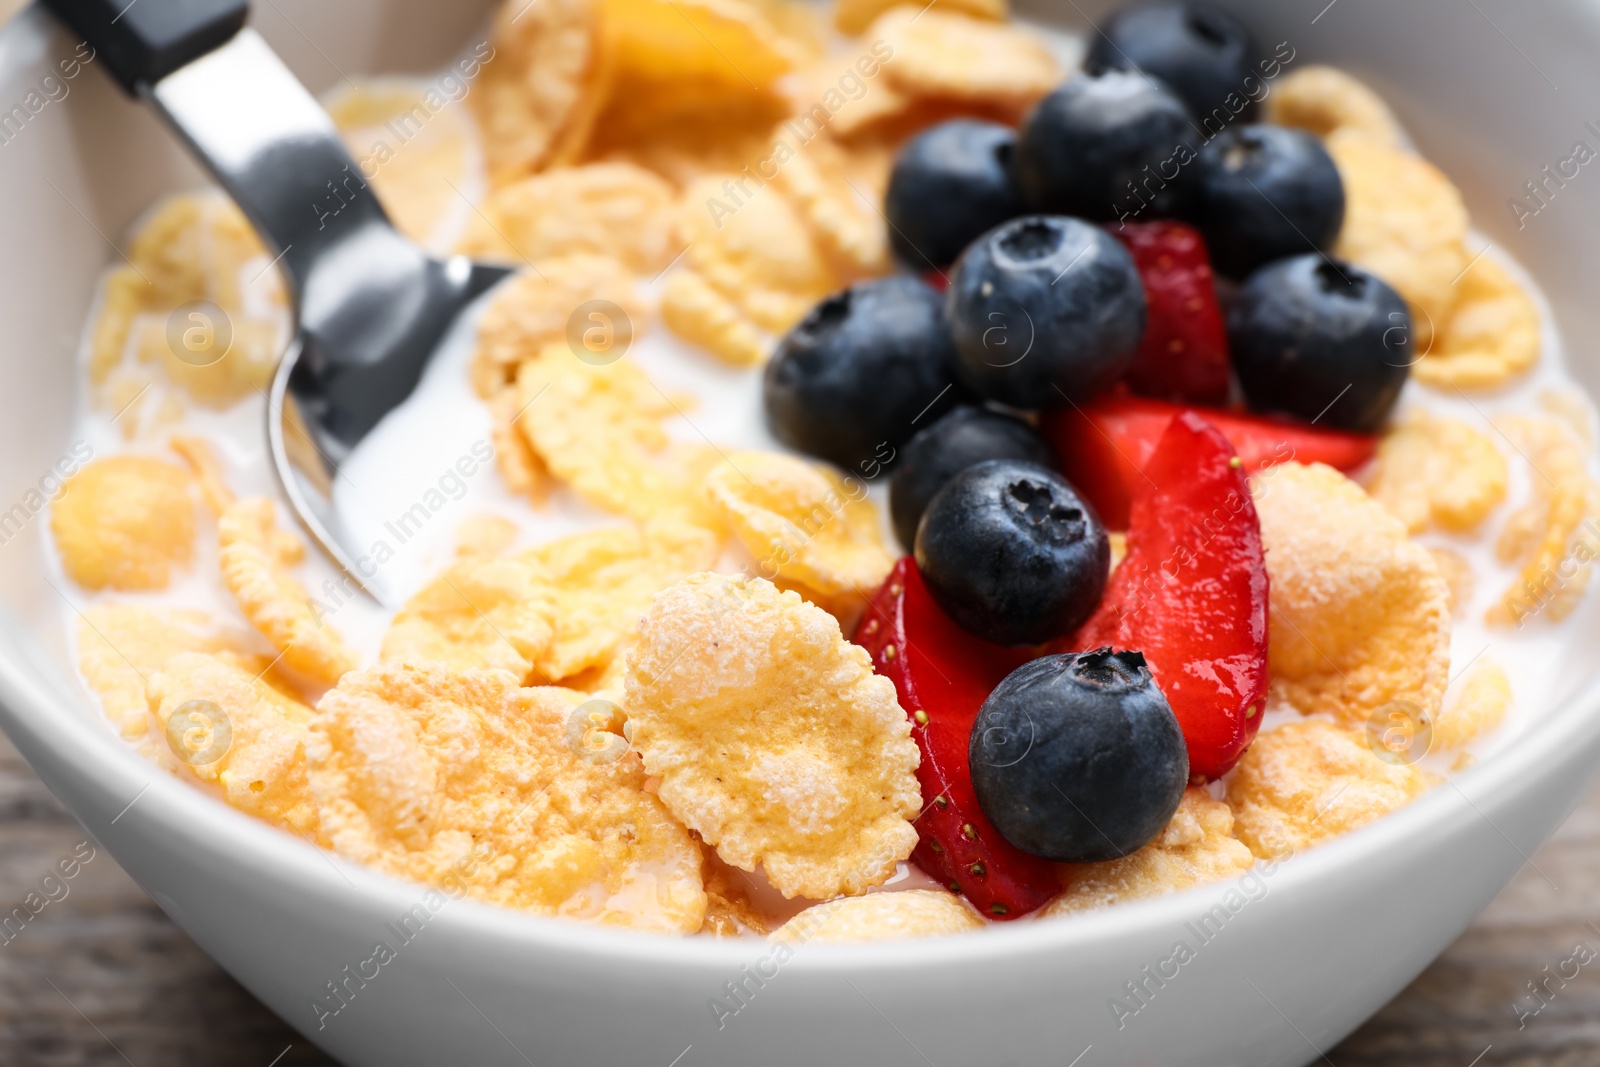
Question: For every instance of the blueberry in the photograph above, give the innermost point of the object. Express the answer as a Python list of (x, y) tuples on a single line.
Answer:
[(1012, 554), (963, 438), (1108, 146), (1206, 56), (1321, 340), (1044, 310), (1265, 192), (950, 183), (851, 380), (1078, 758)]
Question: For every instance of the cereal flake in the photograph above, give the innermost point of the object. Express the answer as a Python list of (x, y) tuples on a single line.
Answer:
[(772, 737), (125, 522), (463, 780)]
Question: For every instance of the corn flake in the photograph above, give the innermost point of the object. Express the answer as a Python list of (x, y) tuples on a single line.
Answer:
[(730, 906), (1457, 573), (951, 55), (258, 736), (601, 584), (122, 646), (463, 780), (1360, 614), (881, 917), (1307, 782), (196, 246), (753, 246), (802, 522), (1554, 535), (477, 614), (533, 84), (601, 209), (125, 522), (536, 309), (1439, 470), (601, 429), (438, 153), (1490, 337), (272, 599), (1196, 847), (854, 16), (1479, 706), (1404, 222), (1326, 100), (851, 234), (699, 314), (772, 737), (484, 536)]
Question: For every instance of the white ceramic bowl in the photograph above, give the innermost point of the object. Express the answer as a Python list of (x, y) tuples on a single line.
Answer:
[(1325, 939)]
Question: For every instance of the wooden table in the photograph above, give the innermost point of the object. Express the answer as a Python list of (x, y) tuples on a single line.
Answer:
[(101, 977)]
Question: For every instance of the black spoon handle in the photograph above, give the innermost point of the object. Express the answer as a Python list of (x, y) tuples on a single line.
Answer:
[(142, 41)]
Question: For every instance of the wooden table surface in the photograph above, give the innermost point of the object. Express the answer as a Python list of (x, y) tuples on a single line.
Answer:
[(101, 977)]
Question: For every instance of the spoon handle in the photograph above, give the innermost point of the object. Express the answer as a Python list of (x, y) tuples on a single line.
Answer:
[(142, 41), (248, 119)]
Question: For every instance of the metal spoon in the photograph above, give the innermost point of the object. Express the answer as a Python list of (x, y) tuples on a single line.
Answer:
[(370, 305)]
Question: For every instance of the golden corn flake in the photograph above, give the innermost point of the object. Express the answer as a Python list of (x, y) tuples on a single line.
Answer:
[(753, 246), (195, 247), (699, 314), (1457, 573), (484, 536), (802, 522), (462, 779), (125, 522), (852, 234), (1490, 337), (1306, 782), (602, 583), (413, 146), (520, 467), (122, 646), (1326, 100), (702, 48), (1439, 470), (207, 468), (271, 598), (188, 354), (772, 737), (854, 16), (944, 54), (1404, 222), (601, 209), (881, 917), (541, 305), (1554, 534), (228, 726), (1196, 847), (730, 906), (1360, 614), (1571, 408), (478, 613), (533, 83), (1478, 707), (601, 428)]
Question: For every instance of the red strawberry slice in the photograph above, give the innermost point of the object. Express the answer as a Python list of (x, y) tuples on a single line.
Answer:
[(1184, 355), (1104, 447), (943, 675), (1191, 594)]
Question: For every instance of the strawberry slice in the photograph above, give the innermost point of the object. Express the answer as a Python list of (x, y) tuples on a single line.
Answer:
[(943, 675), (1191, 594), (1104, 447), (1184, 355)]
